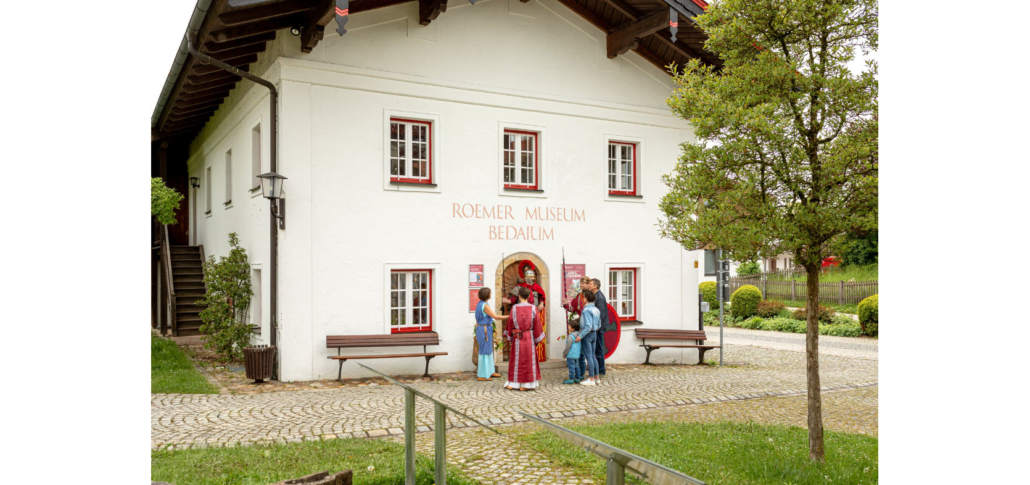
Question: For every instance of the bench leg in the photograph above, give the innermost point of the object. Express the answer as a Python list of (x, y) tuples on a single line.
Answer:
[(339, 373), (428, 357), (701, 356), (647, 360)]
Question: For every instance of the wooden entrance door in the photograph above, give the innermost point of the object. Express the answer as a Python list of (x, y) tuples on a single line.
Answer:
[(510, 279)]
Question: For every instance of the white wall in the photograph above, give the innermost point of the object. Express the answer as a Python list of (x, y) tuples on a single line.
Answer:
[(473, 71)]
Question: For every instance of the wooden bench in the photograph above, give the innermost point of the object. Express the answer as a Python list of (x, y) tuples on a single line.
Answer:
[(698, 336), (392, 340)]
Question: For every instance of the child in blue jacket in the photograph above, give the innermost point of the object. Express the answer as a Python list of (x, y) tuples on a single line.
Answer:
[(571, 353)]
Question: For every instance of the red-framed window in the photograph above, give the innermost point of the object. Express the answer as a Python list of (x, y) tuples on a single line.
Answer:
[(521, 160), (411, 300), (622, 168), (411, 151), (622, 292)]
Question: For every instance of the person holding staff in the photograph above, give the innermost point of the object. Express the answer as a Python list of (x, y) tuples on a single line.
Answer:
[(485, 317)]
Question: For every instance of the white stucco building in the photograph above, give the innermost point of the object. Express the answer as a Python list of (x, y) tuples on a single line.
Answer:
[(412, 152)]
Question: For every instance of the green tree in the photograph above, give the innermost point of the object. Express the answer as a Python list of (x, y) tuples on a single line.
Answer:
[(164, 201), (748, 268), (227, 302), (785, 157), (861, 250)]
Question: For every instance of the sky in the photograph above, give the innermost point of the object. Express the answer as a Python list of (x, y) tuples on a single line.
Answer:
[(168, 23)]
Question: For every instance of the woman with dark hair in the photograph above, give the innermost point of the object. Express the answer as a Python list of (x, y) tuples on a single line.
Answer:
[(485, 317)]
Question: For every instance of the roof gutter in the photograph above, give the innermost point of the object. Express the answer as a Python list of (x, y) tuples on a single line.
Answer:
[(199, 13)]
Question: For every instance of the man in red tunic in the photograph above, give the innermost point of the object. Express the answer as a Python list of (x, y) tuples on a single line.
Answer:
[(524, 330)]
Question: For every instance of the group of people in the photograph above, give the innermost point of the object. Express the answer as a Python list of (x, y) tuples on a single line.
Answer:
[(523, 329)]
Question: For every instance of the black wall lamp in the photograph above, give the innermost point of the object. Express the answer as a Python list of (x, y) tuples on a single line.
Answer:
[(272, 189), (195, 182)]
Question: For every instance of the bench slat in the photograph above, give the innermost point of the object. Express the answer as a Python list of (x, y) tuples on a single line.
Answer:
[(684, 346), (391, 340), (349, 357)]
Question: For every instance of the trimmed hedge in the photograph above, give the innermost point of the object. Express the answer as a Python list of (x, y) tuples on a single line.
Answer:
[(869, 315), (708, 294), (744, 301), (770, 308), (781, 324), (825, 314)]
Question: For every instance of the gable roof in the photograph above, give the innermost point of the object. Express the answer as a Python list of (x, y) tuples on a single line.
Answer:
[(236, 31)]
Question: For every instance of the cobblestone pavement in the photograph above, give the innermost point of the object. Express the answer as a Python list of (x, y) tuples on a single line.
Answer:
[(854, 347), (372, 411), (490, 459)]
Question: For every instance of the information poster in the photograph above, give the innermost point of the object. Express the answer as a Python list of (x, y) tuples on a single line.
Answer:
[(475, 276), (573, 273), (473, 299)]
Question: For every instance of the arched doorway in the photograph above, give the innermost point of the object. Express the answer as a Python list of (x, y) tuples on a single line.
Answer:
[(507, 276)]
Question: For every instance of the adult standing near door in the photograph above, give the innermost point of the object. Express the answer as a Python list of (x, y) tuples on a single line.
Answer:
[(602, 307)]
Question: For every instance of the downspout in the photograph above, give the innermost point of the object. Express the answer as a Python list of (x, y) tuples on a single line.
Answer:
[(274, 241)]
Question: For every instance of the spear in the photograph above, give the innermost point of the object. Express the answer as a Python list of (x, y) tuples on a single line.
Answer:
[(564, 290)]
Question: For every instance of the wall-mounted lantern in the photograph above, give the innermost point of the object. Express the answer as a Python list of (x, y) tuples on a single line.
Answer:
[(272, 189)]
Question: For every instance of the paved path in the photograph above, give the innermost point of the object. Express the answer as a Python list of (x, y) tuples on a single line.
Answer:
[(184, 419)]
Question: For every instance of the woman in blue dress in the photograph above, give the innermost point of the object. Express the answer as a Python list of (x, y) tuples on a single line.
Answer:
[(485, 317)]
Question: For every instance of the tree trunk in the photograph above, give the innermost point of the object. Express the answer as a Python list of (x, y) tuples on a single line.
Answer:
[(815, 402)]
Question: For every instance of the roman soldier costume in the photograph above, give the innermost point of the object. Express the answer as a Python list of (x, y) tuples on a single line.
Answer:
[(527, 278)]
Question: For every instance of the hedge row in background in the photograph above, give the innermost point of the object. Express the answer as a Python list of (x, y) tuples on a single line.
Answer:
[(708, 294)]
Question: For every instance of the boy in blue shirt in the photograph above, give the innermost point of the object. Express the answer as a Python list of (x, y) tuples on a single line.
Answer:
[(571, 353), (590, 322)]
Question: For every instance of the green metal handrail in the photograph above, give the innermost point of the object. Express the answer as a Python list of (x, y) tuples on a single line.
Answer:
[(439, 430), (619, 460)]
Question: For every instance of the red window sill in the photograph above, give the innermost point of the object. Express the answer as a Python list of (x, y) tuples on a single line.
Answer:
[(411, 181), (409, 330), (624, 194), (525, 188)]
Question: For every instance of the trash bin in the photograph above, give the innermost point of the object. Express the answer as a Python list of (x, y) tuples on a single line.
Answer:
[(258, 361)]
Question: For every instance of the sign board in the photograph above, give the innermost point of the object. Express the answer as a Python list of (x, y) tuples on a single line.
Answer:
[(475, 276), (573, 273), (473, 299)]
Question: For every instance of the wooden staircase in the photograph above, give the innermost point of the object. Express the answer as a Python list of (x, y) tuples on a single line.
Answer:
[(188, 283)]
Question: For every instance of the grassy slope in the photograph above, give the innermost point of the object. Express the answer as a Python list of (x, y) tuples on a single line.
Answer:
[(271, 463), (171, 371), (723, 453)]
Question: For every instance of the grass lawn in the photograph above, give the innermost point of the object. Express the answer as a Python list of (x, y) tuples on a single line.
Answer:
[(171, 371), (847, 273), (722, 453), (852, 309), (263, 464)]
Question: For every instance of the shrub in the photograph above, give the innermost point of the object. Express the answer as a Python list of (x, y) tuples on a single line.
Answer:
[(163, 201), (744, 301), (841, 319), (869, 315), (708, 294), (753, 323), (825, 314), (748, 268), (227, 302), (841, 330), (770, 308)]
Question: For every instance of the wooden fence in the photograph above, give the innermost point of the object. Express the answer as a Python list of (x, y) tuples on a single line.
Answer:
[(775, 288)]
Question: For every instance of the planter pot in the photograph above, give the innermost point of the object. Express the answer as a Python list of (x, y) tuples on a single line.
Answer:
[(258, 361)]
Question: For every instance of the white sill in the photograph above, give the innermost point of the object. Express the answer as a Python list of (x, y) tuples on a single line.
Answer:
[(207, 214), (256, 191), (228, 205)]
